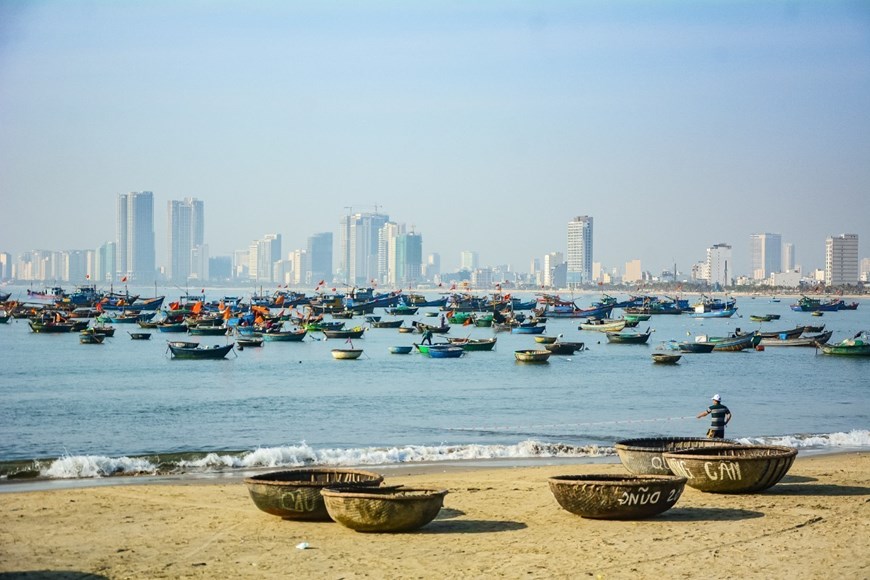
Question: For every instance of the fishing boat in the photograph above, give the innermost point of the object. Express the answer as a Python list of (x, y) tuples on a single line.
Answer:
[(186, 351), (400, 349), (346, 353), (695, 347), (530, 329), (88, 336), (628, 337), (599, 325), (422, 327), (284, 335), (250, 340), (809, 328), (51, 327), (139, 335), (817, 313), (355, 332), (665, 358), (801, 341), (760, 317), (387, 323), (637, 317), (564, 348), (403, 310), (445, 351), (790, 333), (723, 313), (473, 344), (542, 339), (206, 330), (532, 356), (320, 326), (735, 343), (859, 345), (170, 327), (484, 321)]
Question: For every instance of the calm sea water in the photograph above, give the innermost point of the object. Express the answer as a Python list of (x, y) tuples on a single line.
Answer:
[(125, 406)]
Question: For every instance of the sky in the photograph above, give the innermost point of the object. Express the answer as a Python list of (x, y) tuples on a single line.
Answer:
[(485, 125)]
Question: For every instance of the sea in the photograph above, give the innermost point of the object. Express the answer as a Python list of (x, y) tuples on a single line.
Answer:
[(86, 413)]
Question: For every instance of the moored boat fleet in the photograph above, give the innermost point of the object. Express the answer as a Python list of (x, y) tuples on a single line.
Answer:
[(287, 316)]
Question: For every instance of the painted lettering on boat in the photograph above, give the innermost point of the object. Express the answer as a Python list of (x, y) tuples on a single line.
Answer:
[(298, 501), (678, 466), (643, 497), (725, 470), (658, 462)]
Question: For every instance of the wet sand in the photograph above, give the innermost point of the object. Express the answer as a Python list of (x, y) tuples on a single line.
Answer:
[(501, 522)]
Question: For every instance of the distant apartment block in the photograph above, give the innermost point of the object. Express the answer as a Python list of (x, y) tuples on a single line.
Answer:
[(719, 269), (633, 272), (135, 259), (319, 258), (551, 262), (788, 257), (186, 227), (579, 269), (358, 247), (841, 260), (766, 254), (469, 261)]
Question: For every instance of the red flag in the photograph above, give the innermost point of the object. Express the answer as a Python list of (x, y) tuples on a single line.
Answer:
[(321, 283), (87, 276), (124, 279)]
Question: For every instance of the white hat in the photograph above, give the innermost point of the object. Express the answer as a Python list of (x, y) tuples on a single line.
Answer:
[(717, 398)]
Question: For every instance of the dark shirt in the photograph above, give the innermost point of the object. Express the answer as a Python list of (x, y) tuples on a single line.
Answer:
[(717, 416)]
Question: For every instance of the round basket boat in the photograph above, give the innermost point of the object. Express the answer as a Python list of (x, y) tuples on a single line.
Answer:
[(406, 329), (346, 353), (617, 497), (384, 510), (545, 339), (294, 494), (400, 349), (644, 456), (532, 356), (732, 468)]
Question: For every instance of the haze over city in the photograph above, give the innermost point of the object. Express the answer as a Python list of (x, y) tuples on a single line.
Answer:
[(485, 126)]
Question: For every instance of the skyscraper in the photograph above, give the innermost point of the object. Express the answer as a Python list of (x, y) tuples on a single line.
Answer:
[(579, 250), (409, 259), (319, 258), (387, 264), (469, 261), (766, 252), (718, 268), (841, 260), (551, 262), (186, 228), (788, 260), (358, 251), (135, 237)]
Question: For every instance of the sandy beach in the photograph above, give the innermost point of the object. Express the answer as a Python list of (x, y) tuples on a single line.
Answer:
[(501, 522)]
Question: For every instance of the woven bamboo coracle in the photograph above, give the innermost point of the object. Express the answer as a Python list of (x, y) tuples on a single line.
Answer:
[(384, 510), (732, 468), (644, 456), (617, 497), (294, 494)]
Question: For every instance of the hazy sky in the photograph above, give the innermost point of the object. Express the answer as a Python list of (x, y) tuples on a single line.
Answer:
[(486, 125)]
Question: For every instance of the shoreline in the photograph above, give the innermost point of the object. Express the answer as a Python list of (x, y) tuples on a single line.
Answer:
[(495, 522)]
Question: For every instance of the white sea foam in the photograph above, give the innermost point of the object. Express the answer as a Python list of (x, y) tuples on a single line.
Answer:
[(90, 466), (852, 439)]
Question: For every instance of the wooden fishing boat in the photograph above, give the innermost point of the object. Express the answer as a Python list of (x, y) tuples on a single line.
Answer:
[(600, 325), (355, 332), (637, 317), (400, 349), (171, 327), (51, 327), (665, 358), (445, 351), (206, 330), (800, 341), (790, 333), (695, 347), (809, 329), (199, 351), (541, 339), (629, 337), (250, 341), (88, 336), (387, 323), (723, 313), (285, 335), (343, 315), (104, 329), (564, 348), (760, 317), (817, 313), (856, 346), (473, 344), (402, 310), (733, 344), (320, 326), (372, 318), (407, 329), (532, 356), (422, 327), (139, 335), (346, 353), (528, 329)]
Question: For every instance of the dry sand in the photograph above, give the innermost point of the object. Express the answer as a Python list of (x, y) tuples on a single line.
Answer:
[(496, 523)]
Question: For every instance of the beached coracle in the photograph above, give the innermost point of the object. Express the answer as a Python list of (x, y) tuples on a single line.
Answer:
[(643, 456), (383, 510), (294, 494), (617, 497), (732, 468)]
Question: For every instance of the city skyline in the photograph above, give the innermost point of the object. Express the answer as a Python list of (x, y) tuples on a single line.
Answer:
[(676, 126)]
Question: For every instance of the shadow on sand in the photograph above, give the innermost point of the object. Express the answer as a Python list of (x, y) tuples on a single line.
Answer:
[(471, 527), (696, 514), (51, 575), (817, 489)]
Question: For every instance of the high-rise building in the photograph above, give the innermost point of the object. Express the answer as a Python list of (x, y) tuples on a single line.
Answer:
[(319, 258), (841, 260), (719, 269), (186, 232), (551, 263), (262, 255), (5, 266), (135, 237), (865, 270), (199, 263), (433, 266), (579, 250), (409, 259), (633, 271), (469, 261), (788, 260), (766, 252), (358, 247), (387, 262)]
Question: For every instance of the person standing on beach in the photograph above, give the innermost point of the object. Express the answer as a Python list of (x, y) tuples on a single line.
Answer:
[(721, 415)]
